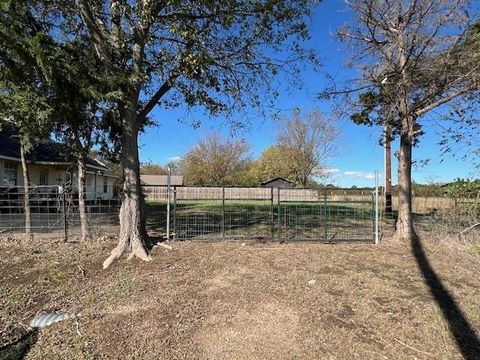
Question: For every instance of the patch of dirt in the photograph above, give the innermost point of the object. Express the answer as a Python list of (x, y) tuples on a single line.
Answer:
[(254, 331), (222, 300)]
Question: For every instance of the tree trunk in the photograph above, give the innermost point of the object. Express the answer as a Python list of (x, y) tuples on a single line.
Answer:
[(132, 223), (26, 191), (404, 228), (81, 197)]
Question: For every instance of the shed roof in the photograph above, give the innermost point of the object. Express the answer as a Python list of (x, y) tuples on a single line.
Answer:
[(161, 180), (275, 179)]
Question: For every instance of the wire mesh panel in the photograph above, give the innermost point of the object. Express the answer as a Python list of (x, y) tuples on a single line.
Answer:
[(322, 215), (223, 213), (248, 213), (263, 213), (198, 213), (54, 210), (350, 221), (45, 210), (102, 216)]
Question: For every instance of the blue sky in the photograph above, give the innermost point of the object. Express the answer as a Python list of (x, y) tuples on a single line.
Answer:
[(359, 154)]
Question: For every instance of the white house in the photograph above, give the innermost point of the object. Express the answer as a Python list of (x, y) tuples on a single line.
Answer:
[(49, 164)]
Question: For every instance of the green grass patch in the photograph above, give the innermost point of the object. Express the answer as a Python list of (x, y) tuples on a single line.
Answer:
[(122, 290)]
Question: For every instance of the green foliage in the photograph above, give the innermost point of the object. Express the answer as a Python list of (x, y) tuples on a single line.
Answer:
[(462, 188), (152, 169), (370, 102), (50, 80), (275, 161), (24, 97)]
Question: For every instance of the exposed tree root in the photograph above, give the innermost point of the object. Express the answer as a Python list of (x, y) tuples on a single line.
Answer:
[(136, 250)]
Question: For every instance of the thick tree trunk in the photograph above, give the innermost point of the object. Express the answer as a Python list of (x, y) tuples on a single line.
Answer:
[(26, 191), (132, 223), (404, 228), (81, 198)]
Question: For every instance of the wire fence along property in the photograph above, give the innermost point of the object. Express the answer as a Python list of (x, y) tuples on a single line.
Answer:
[(54, 211), (261, 213), (326, 214), (443, 213)]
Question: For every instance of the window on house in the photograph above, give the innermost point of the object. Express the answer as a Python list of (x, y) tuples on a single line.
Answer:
[(105, 185), (10, 173), (43, 177)]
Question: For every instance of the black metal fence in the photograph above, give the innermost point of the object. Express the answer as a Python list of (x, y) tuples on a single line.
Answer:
[(54, 211)]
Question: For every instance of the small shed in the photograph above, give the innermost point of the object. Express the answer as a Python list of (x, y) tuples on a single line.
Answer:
[(278, 183)]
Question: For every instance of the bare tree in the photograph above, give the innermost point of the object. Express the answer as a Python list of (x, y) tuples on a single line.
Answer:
[(412, 59), (216, 161), (308, 142)]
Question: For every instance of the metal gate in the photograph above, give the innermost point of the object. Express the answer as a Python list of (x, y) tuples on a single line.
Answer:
[(331, 216), (320, 215)]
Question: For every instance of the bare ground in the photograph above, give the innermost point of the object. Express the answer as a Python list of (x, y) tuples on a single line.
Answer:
[(222, 300)]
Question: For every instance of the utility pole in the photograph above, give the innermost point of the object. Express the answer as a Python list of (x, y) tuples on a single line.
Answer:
[(388, 170)]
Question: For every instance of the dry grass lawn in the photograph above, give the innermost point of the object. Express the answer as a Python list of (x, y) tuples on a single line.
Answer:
[(225, 300)]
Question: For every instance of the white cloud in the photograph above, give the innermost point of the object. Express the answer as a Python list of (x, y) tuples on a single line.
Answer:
[(360, 174), (174, 158), (331, 171), (319, 173)]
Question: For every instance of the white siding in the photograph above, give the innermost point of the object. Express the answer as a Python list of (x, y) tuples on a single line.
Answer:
[(56, 175), (95, 188)]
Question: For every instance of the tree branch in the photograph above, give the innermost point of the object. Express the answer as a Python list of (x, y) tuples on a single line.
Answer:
[(162, 90), (99, 33), (445, 99)]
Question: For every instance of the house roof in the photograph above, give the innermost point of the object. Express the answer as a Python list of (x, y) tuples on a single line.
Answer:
[(275, 179), (44, 151), (161, 180)]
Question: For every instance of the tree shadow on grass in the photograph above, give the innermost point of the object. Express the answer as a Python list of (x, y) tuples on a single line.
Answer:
[(19, 348), (465, 336)]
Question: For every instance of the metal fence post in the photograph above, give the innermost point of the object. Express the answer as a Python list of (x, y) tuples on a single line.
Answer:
[(168, 205), (64, 207), (376, 209), (325, 215), (279, 227), (272, 215), (174, 212), (223, 212)]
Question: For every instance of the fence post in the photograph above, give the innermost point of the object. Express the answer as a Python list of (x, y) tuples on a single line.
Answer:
[(272, 215), (223, 212), (279, 220), (168, 204), (174, 212), (64, 209), (325, 215), (376, 209)]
